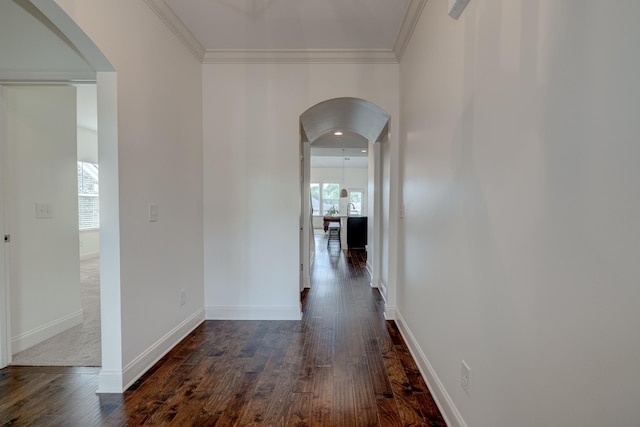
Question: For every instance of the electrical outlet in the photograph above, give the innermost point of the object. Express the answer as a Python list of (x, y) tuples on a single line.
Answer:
[(153, 212), (183, 297), (465, 377)]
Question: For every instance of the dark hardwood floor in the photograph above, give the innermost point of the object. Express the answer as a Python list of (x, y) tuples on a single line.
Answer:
[(342, 365)]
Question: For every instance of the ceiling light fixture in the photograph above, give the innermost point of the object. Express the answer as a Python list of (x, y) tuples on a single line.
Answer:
[(337, 133)]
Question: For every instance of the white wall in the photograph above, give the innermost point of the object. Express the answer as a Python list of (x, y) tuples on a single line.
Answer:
[(251, 139), (159, 117), (41, 169), (87, 145), (520, 237)]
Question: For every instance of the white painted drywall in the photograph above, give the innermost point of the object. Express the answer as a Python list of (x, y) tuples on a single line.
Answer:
[(31, 50), (521, 233), (87, 145), (41, 169), (251, 177), (159, 116)]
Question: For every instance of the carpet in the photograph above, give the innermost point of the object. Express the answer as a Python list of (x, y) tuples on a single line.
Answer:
[(77, 346)]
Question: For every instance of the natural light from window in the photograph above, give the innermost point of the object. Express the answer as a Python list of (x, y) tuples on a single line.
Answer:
[(88, 200)]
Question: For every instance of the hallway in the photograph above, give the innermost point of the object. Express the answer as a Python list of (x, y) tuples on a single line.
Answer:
[(342, 365)]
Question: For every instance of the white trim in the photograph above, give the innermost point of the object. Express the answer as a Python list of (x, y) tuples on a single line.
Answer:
[(383, 289), (451, 415), (217, 56), (112, 381), (218, 312), (370, 270), (299, 56), (46, 331), (110, 284), (47, 77), (389, 312), (5, 299), (409, 23), (175, 24)]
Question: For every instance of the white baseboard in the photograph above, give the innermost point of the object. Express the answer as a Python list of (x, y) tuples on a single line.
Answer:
[(451, 415), (113, 381), (44, 332), (217, 312), (389, 312), (110, 382), (383, 289)]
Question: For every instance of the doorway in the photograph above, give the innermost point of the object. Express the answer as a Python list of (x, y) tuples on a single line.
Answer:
[(361, 118), (52, 163), (59, 31)]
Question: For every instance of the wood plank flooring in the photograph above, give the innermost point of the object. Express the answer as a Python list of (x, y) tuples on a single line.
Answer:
[(342, 365)]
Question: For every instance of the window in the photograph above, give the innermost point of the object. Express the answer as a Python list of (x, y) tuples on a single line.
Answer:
[(315, 199), (325, 201), (330, 199), (356, 197), (88, 200)]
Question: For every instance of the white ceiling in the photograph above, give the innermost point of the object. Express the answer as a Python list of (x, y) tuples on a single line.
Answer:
[(226, 31), (292, 30), (339, 162), (348, 150), (292, 24)]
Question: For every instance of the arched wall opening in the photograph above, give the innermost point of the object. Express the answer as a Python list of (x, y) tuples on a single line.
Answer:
[(363, 118), (106, 84)]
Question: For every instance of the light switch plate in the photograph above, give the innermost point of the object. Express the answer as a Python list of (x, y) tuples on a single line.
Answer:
[(44, 210), (465, 378)]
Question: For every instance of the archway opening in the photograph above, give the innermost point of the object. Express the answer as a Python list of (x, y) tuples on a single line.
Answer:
[(318, 124)]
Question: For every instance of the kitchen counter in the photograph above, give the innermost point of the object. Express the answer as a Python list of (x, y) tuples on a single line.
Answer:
[(358, 229)]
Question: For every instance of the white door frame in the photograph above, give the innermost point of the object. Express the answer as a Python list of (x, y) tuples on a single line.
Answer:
[(305, 210), (5, 298)]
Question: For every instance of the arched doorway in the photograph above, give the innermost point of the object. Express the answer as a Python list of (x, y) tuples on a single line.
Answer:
[(52, 16), (357, 116)]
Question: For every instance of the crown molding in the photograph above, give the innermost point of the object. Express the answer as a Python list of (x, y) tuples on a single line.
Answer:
[(288, 56), (171, 20), (300, 56), (411, 18)]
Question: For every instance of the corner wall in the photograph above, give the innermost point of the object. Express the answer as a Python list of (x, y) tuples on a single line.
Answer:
[(520, 237), (159, 134)]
